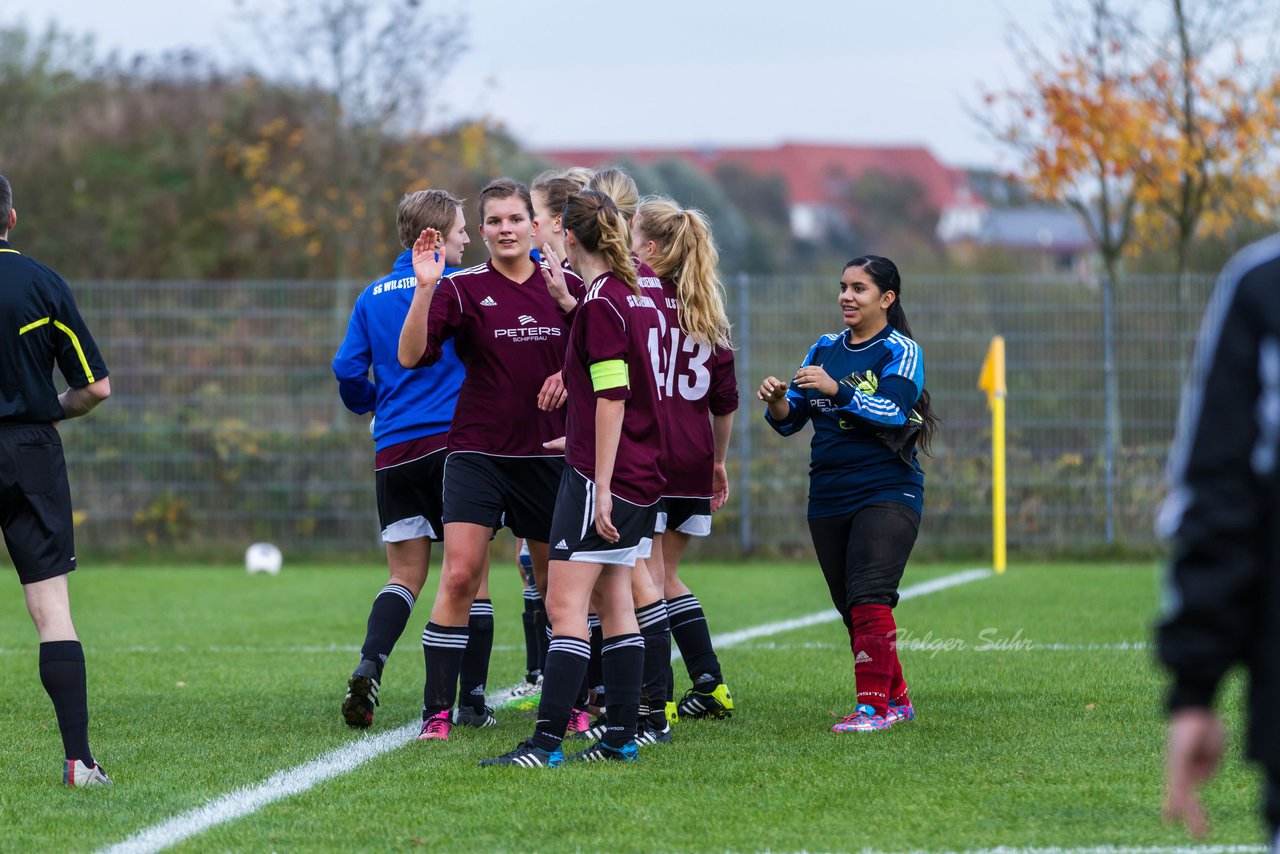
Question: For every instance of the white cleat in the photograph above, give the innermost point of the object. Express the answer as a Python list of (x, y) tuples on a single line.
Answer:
[(77, 775)]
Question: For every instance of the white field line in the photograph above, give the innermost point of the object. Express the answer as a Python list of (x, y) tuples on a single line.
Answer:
[(293, 781), (1103, 849), (830, 615), (1031, 646)]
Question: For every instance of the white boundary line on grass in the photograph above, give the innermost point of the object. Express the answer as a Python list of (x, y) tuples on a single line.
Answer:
[(1111, 849), (293, 781)]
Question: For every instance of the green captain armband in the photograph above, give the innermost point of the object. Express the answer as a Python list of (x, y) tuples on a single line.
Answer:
[(610, 374)]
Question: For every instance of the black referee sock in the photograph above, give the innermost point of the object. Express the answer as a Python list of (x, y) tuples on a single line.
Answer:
[(442, 647), (623, 670), (387, 619), (656, 632), (566, 664), (62, 674), (689, 628), (475, 659)]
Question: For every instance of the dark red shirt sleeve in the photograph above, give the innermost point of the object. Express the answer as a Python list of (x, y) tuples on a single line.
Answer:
[(442, 321), (724, 383)]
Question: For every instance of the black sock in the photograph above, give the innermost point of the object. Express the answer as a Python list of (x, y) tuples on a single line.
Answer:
[(623, 671), (656, 632), (442, 648), (595, 670), (475, 660), (689, 628), (532, 604), (566, 662), (542, 630), (387, 619), (62, 674)]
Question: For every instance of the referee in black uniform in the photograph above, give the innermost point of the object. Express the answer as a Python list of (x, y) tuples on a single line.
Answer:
[(40, 325), (1222, 599)]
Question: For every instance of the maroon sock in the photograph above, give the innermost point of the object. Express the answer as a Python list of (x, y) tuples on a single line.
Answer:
[(873, 654), (897, 684)]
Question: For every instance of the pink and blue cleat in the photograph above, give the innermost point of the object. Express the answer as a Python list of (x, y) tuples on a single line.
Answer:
[(864, 719)]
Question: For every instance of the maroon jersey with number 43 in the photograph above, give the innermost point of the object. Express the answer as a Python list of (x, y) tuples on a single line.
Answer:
[(698, 381), (613, 324)]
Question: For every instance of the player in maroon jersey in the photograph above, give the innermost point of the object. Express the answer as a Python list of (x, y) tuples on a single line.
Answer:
[(646, 585), (677, 245), (510, 335), (608, 492)]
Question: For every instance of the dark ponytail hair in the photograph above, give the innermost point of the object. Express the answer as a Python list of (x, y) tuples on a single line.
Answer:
[(884, 273)]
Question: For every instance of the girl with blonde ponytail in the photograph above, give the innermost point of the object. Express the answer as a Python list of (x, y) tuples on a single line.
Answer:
[(700, 396)]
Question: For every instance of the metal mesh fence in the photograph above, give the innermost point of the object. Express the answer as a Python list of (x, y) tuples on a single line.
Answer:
[(225, 426)]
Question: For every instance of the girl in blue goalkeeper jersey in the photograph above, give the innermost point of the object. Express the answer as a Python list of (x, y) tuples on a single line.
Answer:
[(863, 390)]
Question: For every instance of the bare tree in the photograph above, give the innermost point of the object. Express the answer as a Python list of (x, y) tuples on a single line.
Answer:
[(382, 65)]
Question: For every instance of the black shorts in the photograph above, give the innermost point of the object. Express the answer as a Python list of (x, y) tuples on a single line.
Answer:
[(519, 492), (863, 554), (574, 532), (690, 516), (35, 502), (411, 499)]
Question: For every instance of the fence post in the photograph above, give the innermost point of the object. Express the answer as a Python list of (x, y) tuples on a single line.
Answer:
[(1112, 416), (341, 314), (742, 337)]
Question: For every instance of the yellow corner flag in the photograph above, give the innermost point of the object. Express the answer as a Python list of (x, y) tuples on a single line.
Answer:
[(992, 381)]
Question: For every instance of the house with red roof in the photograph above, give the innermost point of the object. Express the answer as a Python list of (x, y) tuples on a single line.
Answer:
[(817, 177)]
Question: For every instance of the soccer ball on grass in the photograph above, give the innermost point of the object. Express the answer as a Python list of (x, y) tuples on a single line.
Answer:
[(264, 558)]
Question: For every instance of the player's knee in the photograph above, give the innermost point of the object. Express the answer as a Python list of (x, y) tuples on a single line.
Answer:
[(412, 582), (460, 581)]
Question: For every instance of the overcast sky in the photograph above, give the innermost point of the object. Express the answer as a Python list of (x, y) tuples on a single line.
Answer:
[(693, 72)]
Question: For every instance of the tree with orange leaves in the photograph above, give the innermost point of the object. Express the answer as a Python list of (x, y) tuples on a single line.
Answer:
[(1079, 128), (1210, 166), (1136, 133)]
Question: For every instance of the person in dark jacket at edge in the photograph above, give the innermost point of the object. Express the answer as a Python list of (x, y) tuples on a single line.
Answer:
[(1222, 599)]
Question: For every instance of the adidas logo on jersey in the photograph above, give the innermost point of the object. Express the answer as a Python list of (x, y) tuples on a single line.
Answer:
[(527, 319), (862, 657), (489, 301), (562, 545)]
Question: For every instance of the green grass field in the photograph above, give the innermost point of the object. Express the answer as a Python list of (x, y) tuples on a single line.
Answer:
[(1040, 724)]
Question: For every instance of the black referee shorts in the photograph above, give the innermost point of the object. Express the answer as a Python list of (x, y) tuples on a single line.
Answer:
[(574, 535), (690, 516), (519, 492), (411, 499), (35, 502)]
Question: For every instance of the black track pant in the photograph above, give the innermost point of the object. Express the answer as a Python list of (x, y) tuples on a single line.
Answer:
[(864, 553)]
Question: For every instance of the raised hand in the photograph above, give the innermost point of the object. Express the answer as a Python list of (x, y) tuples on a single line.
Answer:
[(553, 275), (771, 390), (428, 260), (816, 377)]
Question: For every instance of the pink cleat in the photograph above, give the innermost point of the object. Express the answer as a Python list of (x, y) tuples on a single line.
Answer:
[(897, 714), (863, 719), (437, 726)]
